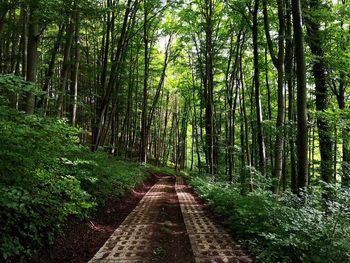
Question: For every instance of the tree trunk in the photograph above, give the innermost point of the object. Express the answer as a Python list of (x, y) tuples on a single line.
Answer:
[(279, 64), (32, 52), (143, 142), (315, 40), (259, 115), (302, 135), (209, 88), (113, 82), (65, 69), (290, 84), (76, 69), (51, 65)]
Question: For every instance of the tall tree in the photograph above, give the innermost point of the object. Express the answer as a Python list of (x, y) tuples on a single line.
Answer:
[(302, 136), (143, 141), (315, 41), (259, 115), (32, 51), (278, 62)]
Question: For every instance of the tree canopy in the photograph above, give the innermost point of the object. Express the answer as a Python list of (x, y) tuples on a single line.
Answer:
[(250, 93)]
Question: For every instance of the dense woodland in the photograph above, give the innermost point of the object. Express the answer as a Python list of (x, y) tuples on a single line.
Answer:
[(250, 98)]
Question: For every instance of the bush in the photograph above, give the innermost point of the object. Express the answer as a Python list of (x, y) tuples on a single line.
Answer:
[(105, 177), (47, 176), (282, 230)]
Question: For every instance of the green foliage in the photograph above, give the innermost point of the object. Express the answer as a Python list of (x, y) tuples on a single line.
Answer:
[(283, 230), (164, 170), (104, 177), (11, 85), (35, 195), (160, 170), (46, 176)]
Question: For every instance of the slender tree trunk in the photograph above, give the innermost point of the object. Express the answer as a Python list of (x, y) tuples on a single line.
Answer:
[(50, 70), (290, 84), (24, 15), (32, 52), (281, 97), (209, 87), (100, 122), (165, 130), (278, 61), (259, 115), (143, 142), (345, 137), (75, 83), (302, 135), (160, 85), (243, 179), (322, 97), (268, 88), (341, 103), (199, 164), (65, 69)]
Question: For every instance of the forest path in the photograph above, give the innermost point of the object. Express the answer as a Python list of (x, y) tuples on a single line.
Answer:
[(169, 225), (209, 241)]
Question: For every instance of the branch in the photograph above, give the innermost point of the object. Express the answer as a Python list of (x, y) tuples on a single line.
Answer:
[(241, 12), (268, 36)]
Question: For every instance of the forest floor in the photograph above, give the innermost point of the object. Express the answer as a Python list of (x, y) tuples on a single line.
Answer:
[(161, 220)]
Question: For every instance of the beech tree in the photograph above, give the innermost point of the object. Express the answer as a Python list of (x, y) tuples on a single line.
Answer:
[(301, 97), (202, 86)]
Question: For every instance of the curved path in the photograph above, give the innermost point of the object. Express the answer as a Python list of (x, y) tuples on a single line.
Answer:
[(135, 240)]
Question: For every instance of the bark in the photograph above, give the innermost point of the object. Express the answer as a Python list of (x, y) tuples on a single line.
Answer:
[(143, 141), (50, 70), (268, 104), (259, 115), (228, 100), (160, 84), (100, 122), (302, 134), (290, 84), (243, 178), (340, 95), (322, 96), (165, 130), (209, 89), (279, 65), (65, 69), (129, 106), (3, 12), (245, 118), (24, 41), (345, 145), (75, 74), (231, 97), (199, 164), (281, 97), (32, 52)]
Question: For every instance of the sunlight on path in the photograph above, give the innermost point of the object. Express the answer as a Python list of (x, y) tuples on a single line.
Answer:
[(210, 243), (131, 242)]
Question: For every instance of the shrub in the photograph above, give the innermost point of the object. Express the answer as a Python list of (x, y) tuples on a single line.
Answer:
[(283, 230), (47, 176)]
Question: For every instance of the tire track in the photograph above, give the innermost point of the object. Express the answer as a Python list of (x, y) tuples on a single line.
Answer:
[(210, 242), (131, 241)]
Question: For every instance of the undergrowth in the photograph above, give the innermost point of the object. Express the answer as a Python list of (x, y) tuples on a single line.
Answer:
[(283, 229), (46, 176)]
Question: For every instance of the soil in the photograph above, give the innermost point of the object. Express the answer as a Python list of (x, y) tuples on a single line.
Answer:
[(171, 241), (81, 240)]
